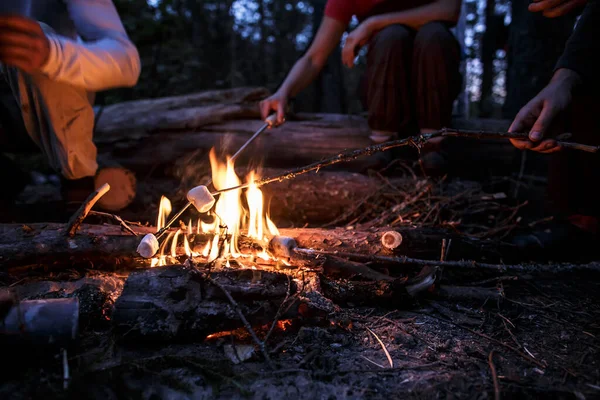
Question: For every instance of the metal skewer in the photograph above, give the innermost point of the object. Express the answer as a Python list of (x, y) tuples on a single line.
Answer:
[(271, 121)]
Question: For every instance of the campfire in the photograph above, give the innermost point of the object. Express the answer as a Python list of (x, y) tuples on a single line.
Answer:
[(236, 212), (253, 290)]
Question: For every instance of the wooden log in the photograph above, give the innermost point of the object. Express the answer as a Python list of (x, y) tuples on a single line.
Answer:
[(424, 243), (309, 138), (47, 245), (149, 133), (171, 303), (107, 246), (191, 111), (123, 187)]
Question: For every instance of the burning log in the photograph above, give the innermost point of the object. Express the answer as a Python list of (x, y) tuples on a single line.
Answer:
[(172, 302), (109, 246)]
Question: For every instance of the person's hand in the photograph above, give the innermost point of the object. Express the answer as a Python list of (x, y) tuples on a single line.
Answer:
[(278, 103), (555, 8), (355, 40), (538, 116), (23, 43)]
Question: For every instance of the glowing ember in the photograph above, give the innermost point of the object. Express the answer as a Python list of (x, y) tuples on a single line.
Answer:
[(230, 218), (284, 324)]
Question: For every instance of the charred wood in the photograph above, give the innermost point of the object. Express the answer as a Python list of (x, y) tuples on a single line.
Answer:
[(174, 303)]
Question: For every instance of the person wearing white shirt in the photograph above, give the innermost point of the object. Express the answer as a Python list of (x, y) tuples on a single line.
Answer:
[(54, 56)]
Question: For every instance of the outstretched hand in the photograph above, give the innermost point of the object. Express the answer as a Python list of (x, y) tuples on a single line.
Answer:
[(540, 115), (355, 41), (23, 43), (555, 8), (278, 103)]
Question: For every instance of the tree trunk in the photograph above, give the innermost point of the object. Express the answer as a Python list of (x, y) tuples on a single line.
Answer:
[(493, 25), (535, 44)]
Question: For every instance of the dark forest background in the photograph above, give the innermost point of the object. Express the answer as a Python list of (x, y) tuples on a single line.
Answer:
[(193, 45)]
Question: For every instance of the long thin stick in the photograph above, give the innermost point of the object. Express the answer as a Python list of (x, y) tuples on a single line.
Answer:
[(411, 141), (385, 350), (238, 310), (466, 264), (494, 375), (77, 218), (120, 220)]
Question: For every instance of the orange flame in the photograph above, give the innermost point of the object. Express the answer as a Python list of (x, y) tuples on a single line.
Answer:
[(230, 219)]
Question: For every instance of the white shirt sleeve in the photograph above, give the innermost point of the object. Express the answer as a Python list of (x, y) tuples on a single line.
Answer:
[(103, 59)]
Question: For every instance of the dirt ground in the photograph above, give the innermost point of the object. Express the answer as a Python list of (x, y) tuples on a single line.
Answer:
[(543, 340)]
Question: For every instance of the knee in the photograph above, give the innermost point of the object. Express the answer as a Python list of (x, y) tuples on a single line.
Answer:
[(392, 38), (434, 35)]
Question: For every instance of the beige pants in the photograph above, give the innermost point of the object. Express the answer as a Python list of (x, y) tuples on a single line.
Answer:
[(58, 117)]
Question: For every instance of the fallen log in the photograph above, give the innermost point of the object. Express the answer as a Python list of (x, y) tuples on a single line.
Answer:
[(177, 112), (173, 303), (305, 140), (425, 243), (111, 246), (130, 133), (25, 246)]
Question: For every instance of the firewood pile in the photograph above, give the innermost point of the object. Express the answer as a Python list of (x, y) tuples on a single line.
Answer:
[(321, 282)]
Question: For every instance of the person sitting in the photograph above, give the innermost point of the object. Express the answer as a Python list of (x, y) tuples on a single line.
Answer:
[(567, 104), (54, 55), (412, 75)]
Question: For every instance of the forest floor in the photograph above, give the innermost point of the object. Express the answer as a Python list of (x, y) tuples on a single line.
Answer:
[(542, 340)]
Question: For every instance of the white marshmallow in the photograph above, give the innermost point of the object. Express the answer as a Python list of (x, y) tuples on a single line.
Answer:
[(282, 246), (201, 198), (148, 246)]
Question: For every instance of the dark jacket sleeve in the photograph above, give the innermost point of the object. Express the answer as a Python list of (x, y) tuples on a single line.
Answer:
[(583, 47)]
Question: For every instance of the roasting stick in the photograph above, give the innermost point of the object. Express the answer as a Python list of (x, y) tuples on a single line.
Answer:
[(410, 141), (149, 244), (271, 121)]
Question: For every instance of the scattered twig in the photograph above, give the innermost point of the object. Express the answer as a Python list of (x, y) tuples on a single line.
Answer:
[(66, 375), (494, 375), (120, 220), (491, 339), (496, 280), (512, 335), (385, 350), (465, 264), (238, 310), (373, 362), (280, 310), (77, 218)]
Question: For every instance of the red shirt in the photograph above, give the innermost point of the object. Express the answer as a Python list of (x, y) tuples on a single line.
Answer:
[(344, 10)]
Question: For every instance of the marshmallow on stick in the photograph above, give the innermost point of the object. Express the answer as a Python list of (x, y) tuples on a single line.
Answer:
[(148, 246), (201, 198)]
